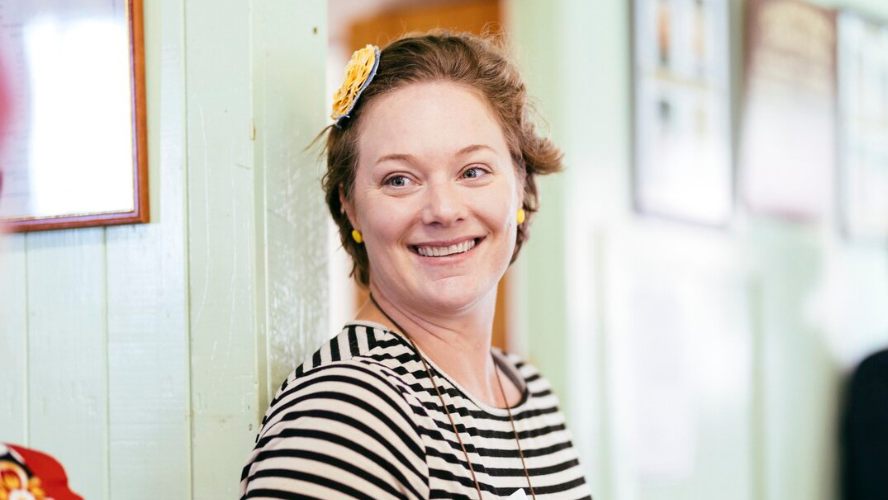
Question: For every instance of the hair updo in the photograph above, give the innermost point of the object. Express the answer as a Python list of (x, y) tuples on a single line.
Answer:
[(478, 63)]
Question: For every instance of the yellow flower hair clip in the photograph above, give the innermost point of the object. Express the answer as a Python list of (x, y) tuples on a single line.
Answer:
[(359, 72)]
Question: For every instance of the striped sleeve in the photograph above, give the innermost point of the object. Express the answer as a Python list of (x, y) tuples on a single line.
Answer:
[(341, 431)]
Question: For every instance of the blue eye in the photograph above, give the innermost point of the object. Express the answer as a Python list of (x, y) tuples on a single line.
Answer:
[(474, 172), (397, 181)]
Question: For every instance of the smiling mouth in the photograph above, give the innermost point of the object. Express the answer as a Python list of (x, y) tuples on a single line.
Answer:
[(444, 251)]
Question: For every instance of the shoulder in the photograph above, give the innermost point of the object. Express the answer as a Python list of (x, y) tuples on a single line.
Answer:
[(359, 353), (869, 383), (536, 382), (342, 387), (341, 424), (875, 365), (361, 365), (354, 341)]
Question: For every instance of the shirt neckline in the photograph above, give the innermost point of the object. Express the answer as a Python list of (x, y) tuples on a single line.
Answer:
[(501, 360)]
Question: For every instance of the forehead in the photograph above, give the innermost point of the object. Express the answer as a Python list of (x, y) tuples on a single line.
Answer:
[(427, 120)]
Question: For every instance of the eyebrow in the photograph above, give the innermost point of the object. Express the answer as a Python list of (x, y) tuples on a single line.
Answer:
[(410, 158)]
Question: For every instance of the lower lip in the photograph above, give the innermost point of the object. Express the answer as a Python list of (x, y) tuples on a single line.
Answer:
[(455, 258)]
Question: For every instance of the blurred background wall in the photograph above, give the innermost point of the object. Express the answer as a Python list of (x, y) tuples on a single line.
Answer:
[(692, 361), (696, 362)]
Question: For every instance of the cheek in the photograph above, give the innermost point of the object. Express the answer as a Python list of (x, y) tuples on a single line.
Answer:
[(499, 210), (383, 223)]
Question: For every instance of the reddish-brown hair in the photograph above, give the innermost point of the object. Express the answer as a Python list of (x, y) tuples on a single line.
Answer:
[(478, 63)]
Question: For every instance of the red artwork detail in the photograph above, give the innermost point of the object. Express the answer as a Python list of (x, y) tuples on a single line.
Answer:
[(32, 475)]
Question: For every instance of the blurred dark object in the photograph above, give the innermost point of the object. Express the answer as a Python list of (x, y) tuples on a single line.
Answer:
[(865, 432)]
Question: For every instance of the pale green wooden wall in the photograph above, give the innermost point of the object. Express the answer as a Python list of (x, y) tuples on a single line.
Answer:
[(801, 304), (143, 356)]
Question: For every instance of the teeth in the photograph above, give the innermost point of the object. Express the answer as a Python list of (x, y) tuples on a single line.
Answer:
[(444, 251)]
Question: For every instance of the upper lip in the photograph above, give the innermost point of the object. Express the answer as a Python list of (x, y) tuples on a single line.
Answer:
[(446, 243)]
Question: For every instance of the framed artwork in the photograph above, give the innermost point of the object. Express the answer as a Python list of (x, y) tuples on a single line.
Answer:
[(788, 151), (863, 130), (682, 110), (76, 152)]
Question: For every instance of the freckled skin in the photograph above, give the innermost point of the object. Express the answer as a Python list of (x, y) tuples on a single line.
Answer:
[(446, 174)]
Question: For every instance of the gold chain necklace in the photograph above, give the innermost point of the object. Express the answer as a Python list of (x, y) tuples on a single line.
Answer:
[(450, 418)]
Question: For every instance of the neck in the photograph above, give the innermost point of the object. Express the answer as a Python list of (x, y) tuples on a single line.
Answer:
[(458, 343)]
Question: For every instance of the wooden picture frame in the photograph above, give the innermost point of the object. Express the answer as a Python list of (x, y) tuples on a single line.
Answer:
[(73, 156)]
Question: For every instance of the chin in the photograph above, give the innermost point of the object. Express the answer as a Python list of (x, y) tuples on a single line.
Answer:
[(454, 295)]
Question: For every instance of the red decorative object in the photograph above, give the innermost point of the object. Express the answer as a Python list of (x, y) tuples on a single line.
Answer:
[(30, 474)]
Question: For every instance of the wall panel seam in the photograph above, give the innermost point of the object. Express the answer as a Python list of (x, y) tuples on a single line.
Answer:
[(26, 400), (107, 367), (186, 242)]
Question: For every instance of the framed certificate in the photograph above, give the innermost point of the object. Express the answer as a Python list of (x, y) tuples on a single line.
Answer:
[(683, 166), (75, 154), (788, 148), (863, 130)]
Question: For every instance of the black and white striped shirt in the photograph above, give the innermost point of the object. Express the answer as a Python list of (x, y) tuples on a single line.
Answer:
[(360, 419)]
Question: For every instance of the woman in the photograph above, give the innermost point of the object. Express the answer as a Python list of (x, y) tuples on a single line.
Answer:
[(430, 177)]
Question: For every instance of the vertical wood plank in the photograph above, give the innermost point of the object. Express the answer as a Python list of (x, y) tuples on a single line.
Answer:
[(147, 340), (290, 42), (13, 340), (221, 241), (67, 353), (147, 277)]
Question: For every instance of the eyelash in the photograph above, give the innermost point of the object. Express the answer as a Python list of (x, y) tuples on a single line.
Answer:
[(389, 181), (482, 171), (478, 168)]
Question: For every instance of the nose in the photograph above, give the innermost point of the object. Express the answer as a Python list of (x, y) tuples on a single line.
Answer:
[(444, 204)]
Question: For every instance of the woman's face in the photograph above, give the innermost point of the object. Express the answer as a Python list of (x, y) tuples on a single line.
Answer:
[(435, 196)]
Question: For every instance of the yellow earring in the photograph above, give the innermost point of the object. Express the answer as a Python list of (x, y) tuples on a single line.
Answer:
[(356, 235), (521, 216)]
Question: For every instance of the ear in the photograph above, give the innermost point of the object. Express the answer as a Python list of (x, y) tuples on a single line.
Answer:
[(348, 208)]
